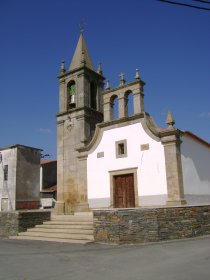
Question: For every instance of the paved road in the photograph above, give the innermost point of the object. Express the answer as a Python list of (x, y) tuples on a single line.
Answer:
[(35, 260)]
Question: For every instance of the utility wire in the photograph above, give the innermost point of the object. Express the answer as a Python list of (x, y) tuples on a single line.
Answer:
[(202, 1), (184, 4)]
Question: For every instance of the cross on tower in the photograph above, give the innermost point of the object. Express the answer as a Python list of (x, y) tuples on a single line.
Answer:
[(82, 26), (122, 79), (122, 75)]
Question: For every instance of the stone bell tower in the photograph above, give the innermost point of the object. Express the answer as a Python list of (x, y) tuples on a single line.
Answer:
[(80, 109)]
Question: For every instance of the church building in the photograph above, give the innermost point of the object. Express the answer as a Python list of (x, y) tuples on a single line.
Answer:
[(123, 161)]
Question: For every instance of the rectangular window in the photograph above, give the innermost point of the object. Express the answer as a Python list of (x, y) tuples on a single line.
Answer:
[(5, 172), (121, 148)]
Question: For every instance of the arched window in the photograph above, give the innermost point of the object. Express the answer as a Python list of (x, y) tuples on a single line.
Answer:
[(129, 108), (114, 111), (93, 94), (71, 94)]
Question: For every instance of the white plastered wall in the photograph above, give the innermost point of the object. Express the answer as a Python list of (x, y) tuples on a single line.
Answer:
[(8, 188), (196, 170), (150, 164)]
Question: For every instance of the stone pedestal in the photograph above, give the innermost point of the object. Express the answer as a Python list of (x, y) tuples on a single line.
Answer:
[(62, 208), (176, 202), (82, 207), (59, 208)]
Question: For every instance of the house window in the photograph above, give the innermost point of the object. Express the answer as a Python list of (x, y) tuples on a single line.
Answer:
[(121, 148), (5, 172)]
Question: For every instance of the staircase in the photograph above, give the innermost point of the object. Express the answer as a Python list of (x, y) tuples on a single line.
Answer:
[(77, 228)]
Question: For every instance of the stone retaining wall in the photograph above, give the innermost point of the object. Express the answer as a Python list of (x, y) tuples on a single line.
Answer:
[(13, 222), (142, 225)]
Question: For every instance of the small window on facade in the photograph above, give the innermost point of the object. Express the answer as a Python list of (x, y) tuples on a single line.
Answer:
[(121, 148), (5, 172)]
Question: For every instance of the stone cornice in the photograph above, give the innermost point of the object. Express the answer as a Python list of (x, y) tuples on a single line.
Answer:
[(140, 82), (85, 108), (158, 134), (82, 69)]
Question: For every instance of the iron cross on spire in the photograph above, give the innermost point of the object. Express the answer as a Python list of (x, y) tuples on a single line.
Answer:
[(82, 26)]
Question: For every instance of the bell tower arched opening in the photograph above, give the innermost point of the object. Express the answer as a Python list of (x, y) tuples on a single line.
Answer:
[(71, 95), (93, 95), (114, 110), (129, 105)]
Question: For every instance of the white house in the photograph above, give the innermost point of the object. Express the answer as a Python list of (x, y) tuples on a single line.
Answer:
[(19, 178)]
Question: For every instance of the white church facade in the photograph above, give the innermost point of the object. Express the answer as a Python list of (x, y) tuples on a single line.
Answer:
[(123, 162), (143, 163)]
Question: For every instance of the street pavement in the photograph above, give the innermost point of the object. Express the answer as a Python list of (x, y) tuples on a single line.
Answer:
[(36, 260)]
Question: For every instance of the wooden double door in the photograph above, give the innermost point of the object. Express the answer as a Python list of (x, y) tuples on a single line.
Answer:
[(124, 196)]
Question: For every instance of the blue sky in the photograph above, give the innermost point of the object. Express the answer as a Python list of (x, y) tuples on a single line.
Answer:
[(169, 44)]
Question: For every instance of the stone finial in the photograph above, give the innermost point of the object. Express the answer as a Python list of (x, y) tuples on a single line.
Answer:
[(122, 79), (107, 87), (137, 77), (63, 70), (170, 120), (99, 70)]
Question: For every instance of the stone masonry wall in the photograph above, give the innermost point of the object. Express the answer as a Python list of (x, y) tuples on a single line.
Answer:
[(143, 225), (13, 222), (8, 223)]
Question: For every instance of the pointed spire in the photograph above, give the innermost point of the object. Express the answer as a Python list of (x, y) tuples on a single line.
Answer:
[(81, 56), (170, 120), (107, 87), (83, 60), (63, 70), (137, 77), (99, 70)]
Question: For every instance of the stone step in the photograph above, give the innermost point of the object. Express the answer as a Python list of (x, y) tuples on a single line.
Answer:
[(57, 235), (66, 226), (69, 218), (88, 223), (61, 230), (50, 239), (83, 214), (76, 228)]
